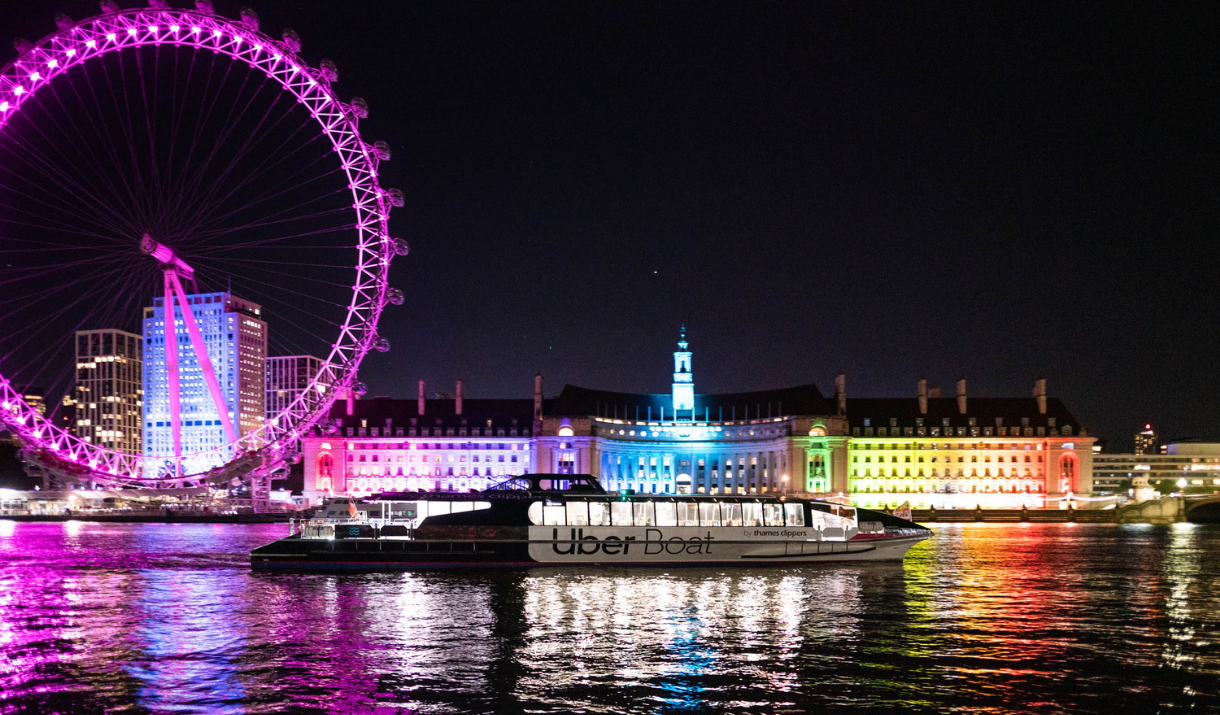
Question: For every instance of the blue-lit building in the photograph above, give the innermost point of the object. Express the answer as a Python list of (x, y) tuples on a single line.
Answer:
[(235, 336)]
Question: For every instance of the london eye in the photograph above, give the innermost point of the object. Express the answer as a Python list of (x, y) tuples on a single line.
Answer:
[(159, 167)]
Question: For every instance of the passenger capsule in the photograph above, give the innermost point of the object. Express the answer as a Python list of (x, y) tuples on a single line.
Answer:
[(62, 21), (158, 4), (109, 6), (395, 296), (329, 71), (22, 45), (205, 7), (401, 247), (397, 198), (359, 388), (249, 18), (360, 107), (381, 150), (292, 41), (382, 345)]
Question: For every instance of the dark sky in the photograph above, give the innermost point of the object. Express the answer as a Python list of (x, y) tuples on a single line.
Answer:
[(892, 190)]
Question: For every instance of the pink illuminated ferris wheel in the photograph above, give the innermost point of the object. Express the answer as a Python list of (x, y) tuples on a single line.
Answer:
[(181, 196)]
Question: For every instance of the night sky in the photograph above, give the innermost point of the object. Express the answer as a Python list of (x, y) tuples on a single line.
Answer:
[(892, 190)]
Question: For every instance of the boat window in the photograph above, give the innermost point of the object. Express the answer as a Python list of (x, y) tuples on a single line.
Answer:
[(553, 514), (436, 508), (688, 513), (667, 515), (599, 513), (774, 514), (620, 513), (578, 513), (535, 513), (709, 514), (642, 511), (795, 514), (752, 513), (462, 506), (732, 515)]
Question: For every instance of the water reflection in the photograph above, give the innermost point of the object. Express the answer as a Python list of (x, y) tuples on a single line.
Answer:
[(1012, 618)]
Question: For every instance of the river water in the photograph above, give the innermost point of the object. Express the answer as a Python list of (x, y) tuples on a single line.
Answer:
[(1012, 618)]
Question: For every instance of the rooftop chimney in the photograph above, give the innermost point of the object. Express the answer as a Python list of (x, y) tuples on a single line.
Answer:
[(351, 400), (1040, 394), (934, 392), (922, 392), (841, 393), (538, 397), (421, 397), (961, 395), (458, 401)]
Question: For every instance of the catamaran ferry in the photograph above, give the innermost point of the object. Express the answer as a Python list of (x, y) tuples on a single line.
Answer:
[(569, 519)]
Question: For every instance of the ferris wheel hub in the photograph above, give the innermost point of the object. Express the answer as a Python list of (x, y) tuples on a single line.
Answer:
[(165, 256)]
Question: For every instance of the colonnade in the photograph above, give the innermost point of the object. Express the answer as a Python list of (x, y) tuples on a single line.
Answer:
[(719, 471)]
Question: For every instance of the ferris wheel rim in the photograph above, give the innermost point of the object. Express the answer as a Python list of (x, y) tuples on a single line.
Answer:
[(96, 36)]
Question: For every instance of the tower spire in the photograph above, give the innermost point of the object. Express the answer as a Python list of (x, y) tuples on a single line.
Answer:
[(684, 379)]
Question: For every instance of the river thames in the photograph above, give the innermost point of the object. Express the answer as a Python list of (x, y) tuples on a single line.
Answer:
[(1036, 618)]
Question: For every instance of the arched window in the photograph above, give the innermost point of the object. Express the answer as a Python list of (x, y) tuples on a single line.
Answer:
[(325, 471), (1067, 473)]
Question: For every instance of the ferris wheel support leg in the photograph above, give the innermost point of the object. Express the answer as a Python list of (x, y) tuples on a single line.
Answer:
[(171, 371), (201, 354)]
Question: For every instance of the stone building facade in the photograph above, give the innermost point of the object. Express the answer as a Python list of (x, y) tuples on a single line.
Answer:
[(925, 449)]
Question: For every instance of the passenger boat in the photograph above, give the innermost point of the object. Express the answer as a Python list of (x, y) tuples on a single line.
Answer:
[(567, 519)]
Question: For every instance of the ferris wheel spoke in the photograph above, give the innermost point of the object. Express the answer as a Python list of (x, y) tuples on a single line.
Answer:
[(150, 118), (139, 202), (314, 307), (100, 313), (229, 125), (294, 292), (295, 209), (16, 274), (287, 274), (102, 284), (52, 246), (184, 179), (276, 156), (106, 134), (253, 138), (84, 148), (208, 218), (54, 169), (29, 300), (102, 215), (229, 232)]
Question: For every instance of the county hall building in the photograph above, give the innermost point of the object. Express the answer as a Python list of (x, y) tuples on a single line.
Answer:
[(930, 450)]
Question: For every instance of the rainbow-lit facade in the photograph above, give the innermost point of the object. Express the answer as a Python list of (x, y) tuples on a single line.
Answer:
[(958, 452)]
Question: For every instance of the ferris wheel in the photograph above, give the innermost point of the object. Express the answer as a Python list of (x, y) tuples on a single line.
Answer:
[(163, 171)]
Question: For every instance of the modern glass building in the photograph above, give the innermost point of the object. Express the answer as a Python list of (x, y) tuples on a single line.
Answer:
[(109, 390), (287, 378), (235, 337)]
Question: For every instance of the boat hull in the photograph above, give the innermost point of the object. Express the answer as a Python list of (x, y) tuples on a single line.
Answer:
[(568, 546)]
